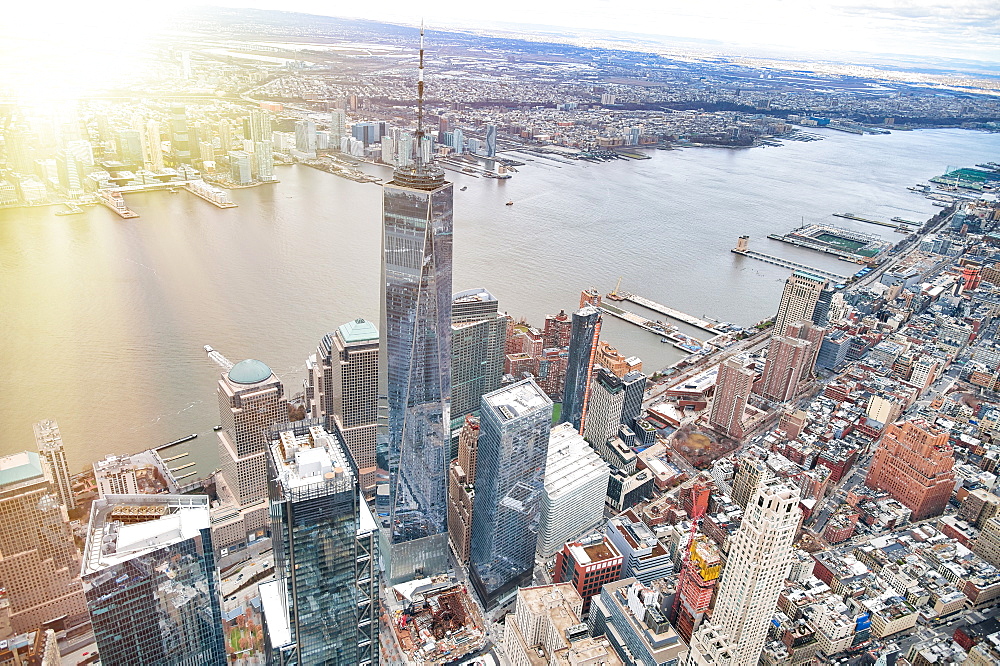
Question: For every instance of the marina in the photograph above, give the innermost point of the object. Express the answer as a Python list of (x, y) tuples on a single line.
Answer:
[(665, 331)]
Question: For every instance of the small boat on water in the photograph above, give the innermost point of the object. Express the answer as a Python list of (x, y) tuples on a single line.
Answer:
[(464, 188), (217, 428), (509, 203)]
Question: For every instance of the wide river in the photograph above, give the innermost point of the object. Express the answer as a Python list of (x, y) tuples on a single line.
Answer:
[(104, 320)]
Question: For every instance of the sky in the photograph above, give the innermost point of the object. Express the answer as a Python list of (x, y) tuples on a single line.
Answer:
[(965, 29)]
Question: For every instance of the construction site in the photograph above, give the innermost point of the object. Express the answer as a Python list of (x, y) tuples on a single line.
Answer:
[(436, 622)]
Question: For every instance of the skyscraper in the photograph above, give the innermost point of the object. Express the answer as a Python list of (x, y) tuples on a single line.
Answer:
[(251, 401), (461, 488), (152, 586), (699, 574), (491, 140), (53, 457), (478, 338), (579, 367), (760, 556), (790, 360), (38, 561), (799, 299), (607, 398), (324, 551), (914, 464), (510, 465), (338, 127), (416, 353), (732, 390), (259, 126), (180, 139), (343, 390), (575, 487), (305, 136)]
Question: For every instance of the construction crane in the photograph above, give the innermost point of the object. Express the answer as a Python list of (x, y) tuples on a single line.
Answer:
[(219, 359)]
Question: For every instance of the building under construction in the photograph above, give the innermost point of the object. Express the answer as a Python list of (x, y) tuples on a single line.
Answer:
[(438, 625)]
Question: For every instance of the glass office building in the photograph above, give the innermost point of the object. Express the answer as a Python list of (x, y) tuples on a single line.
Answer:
[(514, 425), (149, 576), (583, 340), (416, 348), (324, 552)]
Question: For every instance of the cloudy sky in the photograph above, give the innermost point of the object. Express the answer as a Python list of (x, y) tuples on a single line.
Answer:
[(968, 29)]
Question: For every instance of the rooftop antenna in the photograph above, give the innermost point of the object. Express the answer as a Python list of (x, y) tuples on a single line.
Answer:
[(420, 99)]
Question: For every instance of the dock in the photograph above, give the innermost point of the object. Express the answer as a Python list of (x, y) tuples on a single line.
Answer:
[(697, 322), (179, 468), (677, 339), (115, 201), (845, 256), (898, 223), (213, 195), (785, 263)]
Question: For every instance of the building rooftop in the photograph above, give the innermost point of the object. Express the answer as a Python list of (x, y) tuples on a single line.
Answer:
[(359, 330), (311, 459), (19, 467), (517, 399), (249, 371), (123, 527), (478, 294)]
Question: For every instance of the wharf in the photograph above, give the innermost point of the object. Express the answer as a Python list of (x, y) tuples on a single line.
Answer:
[(898, 223), (664, 310), (114, 200), (666, 332), (212, 195), (845, 256), (784, 263)]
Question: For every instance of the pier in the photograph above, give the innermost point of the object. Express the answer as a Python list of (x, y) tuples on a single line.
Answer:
[(784, 263), (898, 223), (664, 310), (115, 201), (845, 256), (212, 195), (677, 339)]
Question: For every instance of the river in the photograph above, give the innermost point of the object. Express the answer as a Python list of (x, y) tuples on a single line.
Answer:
[(104, 320)]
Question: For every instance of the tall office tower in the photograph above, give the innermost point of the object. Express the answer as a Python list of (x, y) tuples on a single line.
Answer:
[(180, 139), (259, 125), (324, 551), (38, 561), (478, 338), (824, 311), (798, 301), (574, 490), (53, 457), (732, 390), (491, 140), (790, 360), (458, 141), (263, 155), (510, 466), (305, 136), (130, 147), (225, 131), (760, 555), (251, 401), (154, 146), (338, 127), (416, 346), (343, 390), (607, 398), (695, 585), (584, 336), (240, 167), (461, 485), (152, 587), (914, 464), (443, 127)]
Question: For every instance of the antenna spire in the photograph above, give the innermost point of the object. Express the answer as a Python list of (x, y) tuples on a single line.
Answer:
[(420, 97)]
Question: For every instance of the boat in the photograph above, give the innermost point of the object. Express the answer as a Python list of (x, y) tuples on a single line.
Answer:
[(217, 428), (509, 203), (664, 340), (464, 188)]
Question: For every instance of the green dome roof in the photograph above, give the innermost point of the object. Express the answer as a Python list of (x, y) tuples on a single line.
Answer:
[(358, 330), (249, 371)]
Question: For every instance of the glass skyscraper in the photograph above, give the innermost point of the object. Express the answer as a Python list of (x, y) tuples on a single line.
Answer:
[(324, 551), (152, 588), (514, 425), (585, 333), (416, 348), (478, 337)]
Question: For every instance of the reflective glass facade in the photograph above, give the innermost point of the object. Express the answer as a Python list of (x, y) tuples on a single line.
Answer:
[(323, 554), (416, 347), (579, 366), (514, 427), (478, 337), (161, 606)]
